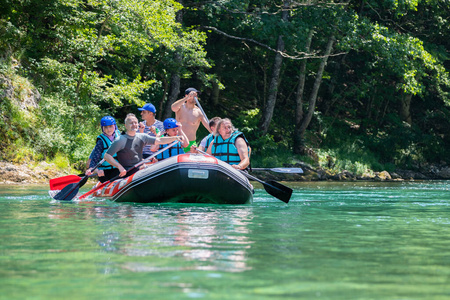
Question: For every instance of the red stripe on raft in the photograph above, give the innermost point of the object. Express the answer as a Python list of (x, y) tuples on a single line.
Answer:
[(187, 158), (112, 188)]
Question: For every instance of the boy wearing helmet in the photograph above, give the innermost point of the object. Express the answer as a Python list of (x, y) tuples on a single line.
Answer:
[(172, 128), (150, 125), (104, 140), (188, 114)]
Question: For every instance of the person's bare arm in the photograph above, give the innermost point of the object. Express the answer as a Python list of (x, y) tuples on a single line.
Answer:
[(241, 146), (205, 122), (166, 140), (178, 104), (209, 151), (184, 139), (113, 162)]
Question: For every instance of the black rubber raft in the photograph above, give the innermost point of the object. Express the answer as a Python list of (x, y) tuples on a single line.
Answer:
[(186, 178)]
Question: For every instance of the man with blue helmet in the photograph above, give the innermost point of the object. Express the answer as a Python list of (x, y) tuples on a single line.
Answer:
[(150, 125), (172, 128), (104, 140)]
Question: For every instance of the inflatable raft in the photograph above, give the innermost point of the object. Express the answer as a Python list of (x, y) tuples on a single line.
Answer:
[(186, 178)]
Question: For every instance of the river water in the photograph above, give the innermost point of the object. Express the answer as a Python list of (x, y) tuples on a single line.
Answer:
[(332, 241)]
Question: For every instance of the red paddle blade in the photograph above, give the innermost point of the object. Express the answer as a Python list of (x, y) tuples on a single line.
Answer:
[(61, 182)]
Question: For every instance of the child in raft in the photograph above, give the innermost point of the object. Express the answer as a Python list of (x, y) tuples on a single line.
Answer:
[(109, 133), (172, 128)]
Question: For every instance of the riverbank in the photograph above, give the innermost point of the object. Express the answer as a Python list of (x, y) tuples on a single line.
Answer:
[(423, 172), (41, 173)]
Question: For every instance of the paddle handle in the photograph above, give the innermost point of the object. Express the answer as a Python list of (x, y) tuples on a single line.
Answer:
[(131, 169), (98, 165), (201, 109), (253, 178)]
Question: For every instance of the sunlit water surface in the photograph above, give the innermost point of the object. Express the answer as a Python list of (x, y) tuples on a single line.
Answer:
[(332, 241)]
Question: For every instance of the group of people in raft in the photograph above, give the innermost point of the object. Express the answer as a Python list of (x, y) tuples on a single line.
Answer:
[(141, 139)]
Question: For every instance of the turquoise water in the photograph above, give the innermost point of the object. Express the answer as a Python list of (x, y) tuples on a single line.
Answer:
[(332, 241)]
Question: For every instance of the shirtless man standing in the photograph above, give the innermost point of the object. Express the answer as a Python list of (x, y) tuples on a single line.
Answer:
[(190, 116)]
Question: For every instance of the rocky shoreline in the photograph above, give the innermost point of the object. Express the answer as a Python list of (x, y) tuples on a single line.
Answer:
[(26, 174), (11, 174)]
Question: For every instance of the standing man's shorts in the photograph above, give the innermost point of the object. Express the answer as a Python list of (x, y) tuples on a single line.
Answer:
[(188, 148)]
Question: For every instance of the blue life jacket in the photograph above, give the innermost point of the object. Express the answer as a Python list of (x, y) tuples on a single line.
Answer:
[(226, 150), (209, 139), (172, 151), (106, 143)]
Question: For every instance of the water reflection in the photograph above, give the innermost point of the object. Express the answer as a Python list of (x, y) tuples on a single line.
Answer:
[(207, 238), (213, 238)]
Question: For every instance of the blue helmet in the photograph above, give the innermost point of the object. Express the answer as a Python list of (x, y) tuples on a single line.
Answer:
[(107, 121), (170, 123)]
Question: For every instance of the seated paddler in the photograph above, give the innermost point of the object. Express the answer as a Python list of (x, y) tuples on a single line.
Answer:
[(172, 128), (109, 133), (129, 145), (230, 145)]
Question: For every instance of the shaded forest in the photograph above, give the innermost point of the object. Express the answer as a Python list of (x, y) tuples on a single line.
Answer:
[(357, 85)]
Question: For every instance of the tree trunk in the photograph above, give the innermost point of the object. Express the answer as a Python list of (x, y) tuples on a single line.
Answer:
[(313, 97), (174, 91), (299, 97), (175, 79), (215, 93), (275, 78), (405, 108)]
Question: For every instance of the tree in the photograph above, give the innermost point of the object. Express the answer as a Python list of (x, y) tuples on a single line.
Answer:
[(92, 57), (275, 78)]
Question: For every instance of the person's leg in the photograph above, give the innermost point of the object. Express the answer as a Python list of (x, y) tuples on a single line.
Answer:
[(109, 174)]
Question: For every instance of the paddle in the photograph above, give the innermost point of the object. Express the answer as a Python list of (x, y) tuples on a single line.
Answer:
[(203, 112), (70, 191), (60, 182), (274, 188), (281, 170), (128, 172)]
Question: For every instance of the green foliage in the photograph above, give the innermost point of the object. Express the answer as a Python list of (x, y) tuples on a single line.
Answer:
[(94, 58), (282, 157), (89, 59), (60, 160), (351, 157)]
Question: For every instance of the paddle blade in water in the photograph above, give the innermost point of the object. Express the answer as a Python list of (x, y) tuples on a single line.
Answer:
[(278, 190), (71, 190), (68, 193)]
